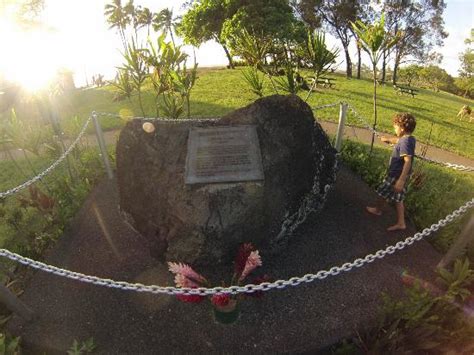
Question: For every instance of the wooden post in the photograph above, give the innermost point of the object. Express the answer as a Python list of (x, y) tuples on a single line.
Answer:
[(340, 127), (466, 236), (14, 304)]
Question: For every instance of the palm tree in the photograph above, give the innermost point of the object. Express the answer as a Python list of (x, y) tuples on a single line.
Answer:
[(164, 21), (118, 17), (375, 41), (132, 13), (145, 18)]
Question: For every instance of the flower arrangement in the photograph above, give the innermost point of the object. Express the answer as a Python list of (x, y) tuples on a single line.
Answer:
[(225, 304)]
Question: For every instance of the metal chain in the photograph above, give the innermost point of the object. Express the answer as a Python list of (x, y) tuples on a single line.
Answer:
[(51, 167), (449, 165), (155, 120), (250, 288)]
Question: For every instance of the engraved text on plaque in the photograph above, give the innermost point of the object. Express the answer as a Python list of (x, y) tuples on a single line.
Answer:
[(223, 154)]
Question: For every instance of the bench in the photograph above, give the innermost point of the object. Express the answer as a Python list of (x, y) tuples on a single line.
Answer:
[(405, 90)]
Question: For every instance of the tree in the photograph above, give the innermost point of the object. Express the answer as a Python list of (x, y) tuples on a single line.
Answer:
[(410, 73), (164, 21), (269, 21), (145, 19), (337, 15), (304, 10), (421, 27), (221, 20), (203, 22), (374, 40), (436, 78), (465, 82), (119, 18)]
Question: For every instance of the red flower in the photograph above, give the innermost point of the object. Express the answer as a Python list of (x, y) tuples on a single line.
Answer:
[(257, 281), (190, 298), (220, 300), (241, 258)]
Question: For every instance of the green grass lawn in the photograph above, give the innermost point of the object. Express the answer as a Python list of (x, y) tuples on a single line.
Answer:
[(219, 91)]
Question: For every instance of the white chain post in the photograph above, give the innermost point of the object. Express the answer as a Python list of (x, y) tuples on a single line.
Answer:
[(50, 168), (102, 146), (340, 127)]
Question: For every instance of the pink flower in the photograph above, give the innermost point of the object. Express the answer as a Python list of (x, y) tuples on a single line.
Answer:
[(185, 270), (182, 281), (241, 258), (252, 262), (221, 300)]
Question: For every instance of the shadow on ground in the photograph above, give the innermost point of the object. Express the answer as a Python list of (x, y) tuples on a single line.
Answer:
[(296, 319)]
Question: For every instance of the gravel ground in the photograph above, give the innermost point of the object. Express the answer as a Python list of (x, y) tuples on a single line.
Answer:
[(293, 320)]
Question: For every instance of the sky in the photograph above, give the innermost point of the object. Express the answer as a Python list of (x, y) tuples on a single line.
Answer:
[(80, 40)]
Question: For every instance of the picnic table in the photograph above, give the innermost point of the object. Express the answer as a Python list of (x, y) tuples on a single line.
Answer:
[(405, 90)]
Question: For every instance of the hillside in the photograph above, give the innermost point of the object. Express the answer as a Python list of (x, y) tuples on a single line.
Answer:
[(220, 90)]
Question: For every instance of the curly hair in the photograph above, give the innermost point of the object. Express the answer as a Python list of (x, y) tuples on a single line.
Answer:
[(405, 120)]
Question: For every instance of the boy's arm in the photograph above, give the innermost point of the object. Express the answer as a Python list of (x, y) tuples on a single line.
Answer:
[(389, 140), (398, 187)]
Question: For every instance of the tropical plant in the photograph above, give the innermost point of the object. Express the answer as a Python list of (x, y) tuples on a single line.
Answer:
[(432, 318), (119, 18), (164, 21), (252, 50), (169, 76), (135, 64), (9, 345), (320, 58), (289, 82), (374, 40), (255, 80), (123, 83), (77, 348), (183, 82)]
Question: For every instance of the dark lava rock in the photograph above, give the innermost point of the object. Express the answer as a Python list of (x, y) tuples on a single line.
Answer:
[(205, 223)]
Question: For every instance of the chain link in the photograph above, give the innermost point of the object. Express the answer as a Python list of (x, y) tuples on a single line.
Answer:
[(155, 120), (51, 167), (250, 288), (449, 165)]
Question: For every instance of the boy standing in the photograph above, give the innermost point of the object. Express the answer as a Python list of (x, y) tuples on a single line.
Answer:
[(393, 187)]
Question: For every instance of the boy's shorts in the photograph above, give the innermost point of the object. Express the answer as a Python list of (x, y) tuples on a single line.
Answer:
[(386, 191)]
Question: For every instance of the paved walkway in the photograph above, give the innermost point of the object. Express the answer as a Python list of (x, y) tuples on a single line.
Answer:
[(299, 319)]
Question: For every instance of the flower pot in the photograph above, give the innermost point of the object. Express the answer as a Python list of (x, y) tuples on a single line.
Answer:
[(227, 314)]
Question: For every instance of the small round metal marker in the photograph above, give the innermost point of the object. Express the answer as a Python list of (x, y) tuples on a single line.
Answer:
[(148, 127)]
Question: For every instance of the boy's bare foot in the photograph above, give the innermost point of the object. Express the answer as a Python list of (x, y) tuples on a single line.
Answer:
[(374, 210), (396, 227)]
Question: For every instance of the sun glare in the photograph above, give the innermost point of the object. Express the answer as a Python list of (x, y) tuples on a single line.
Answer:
[(29, 58)]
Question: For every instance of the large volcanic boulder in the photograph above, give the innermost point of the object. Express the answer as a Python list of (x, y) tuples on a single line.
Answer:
[(205, 222)]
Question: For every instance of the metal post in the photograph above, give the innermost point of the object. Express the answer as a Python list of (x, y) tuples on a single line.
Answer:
[(103, 148), (340, 127), (14, 304)]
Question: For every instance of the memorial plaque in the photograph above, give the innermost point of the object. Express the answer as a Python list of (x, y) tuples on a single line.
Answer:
[(223, 154)]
